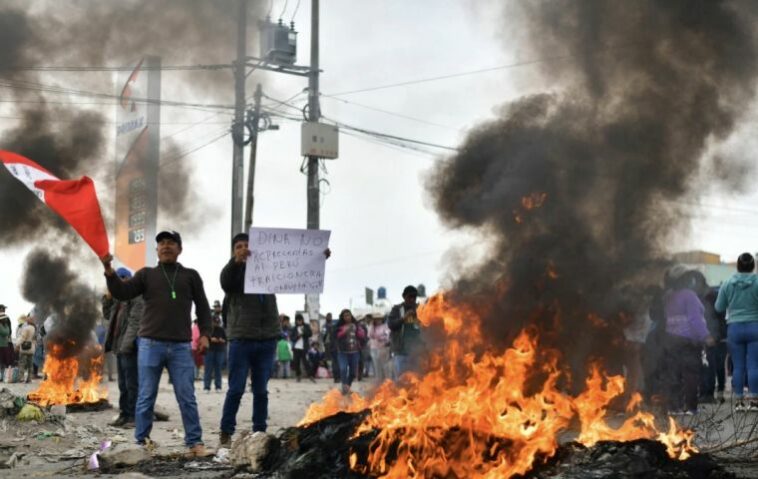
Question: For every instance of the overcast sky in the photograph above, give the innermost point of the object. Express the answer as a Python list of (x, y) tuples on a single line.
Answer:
[(384, 230)]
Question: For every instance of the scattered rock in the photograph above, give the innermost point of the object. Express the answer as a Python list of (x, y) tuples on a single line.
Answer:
[(252, 450), (124, 455)]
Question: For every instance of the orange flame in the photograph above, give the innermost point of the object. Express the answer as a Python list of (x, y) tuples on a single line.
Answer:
[(533, 200), (63, 384), (489, 415)]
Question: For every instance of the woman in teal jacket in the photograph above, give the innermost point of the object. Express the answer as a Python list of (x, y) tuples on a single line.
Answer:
[(738, 297)]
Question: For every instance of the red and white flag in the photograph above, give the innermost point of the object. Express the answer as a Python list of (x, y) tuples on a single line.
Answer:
[(75, 200)]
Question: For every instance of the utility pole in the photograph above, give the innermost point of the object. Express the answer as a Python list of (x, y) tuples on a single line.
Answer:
[(254, 120), (238, 127), (314, 113)]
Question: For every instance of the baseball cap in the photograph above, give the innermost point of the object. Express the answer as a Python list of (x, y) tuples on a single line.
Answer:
[(169, 234)]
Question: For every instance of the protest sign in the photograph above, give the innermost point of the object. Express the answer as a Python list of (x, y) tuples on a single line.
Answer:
[(286, 261)]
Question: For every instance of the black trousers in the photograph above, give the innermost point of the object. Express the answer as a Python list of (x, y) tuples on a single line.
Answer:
[(128, 384), (300, 363), (681, 373)]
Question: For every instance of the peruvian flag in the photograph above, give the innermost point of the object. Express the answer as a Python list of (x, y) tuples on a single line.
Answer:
[(75, 200)]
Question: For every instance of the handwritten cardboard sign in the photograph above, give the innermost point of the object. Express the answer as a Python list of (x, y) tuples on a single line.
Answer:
[(286, 261)]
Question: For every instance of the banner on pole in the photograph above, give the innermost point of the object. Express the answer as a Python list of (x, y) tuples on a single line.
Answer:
[(286, 261)]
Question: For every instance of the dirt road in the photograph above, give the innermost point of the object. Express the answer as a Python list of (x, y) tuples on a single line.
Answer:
[(51, 447)]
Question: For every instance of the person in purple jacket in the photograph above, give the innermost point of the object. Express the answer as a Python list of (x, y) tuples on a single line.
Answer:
[(686, 333)]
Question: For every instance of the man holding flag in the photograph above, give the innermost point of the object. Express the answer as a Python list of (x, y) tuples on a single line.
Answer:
[(165, 334)]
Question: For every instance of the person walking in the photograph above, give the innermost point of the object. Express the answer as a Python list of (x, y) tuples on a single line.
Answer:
[(121, 339), (214, 357), (379, 342), (686, 333), (300, 335), (738, 298), (25, 348), (6, 351), (349, 337), (169, 291)]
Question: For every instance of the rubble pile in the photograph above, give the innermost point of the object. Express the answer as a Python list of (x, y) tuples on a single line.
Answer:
[(323, 450)]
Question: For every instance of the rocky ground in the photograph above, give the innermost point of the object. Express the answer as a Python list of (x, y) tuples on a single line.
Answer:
[(60, 446)]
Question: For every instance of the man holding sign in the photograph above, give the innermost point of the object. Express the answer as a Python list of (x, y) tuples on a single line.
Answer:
[(250, 279)]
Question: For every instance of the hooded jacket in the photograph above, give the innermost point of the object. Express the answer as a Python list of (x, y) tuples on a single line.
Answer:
[(738, 296)]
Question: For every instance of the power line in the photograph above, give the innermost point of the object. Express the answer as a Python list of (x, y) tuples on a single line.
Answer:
[(392, 113), (73, 68), (482, 70), (23, 85), (388, 136), (179, 156)]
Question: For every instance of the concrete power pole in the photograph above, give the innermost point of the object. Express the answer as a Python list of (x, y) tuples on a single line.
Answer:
[(238, 127), (314, 114), (254, 119)]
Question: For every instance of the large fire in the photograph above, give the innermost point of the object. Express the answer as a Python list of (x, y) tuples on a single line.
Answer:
[(64, 383), (488, 415)]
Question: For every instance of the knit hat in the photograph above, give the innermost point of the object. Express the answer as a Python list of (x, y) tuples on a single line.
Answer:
[(123, 273)]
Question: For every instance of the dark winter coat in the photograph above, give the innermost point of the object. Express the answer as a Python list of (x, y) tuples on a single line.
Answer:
[(248, 316), (123, 324)]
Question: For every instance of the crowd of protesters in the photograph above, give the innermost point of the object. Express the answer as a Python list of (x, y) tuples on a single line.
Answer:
[(698, 335)]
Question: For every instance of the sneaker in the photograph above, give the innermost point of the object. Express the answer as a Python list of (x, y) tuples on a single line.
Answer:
[(224, 439), (752, 406), (690, 412), (119, 422), (740, 406), (198, 450), (129, 424), (720, 397)]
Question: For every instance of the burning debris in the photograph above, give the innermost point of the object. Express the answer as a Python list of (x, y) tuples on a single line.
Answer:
[(336, 447), (489, 414), (73, 363)]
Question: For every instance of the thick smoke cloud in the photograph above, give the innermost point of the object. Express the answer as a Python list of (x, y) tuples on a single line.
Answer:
[(584, 186), (70, 141)]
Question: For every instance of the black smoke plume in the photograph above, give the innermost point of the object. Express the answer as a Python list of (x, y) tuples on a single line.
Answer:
[(67, 134), (55, 289), (69, 140), (582, 187)]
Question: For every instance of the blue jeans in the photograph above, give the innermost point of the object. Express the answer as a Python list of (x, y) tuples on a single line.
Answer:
[(348, 366), (212, 370), (128, 384), (405, 363), (743, 347), (256, 358), (153, 356)]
